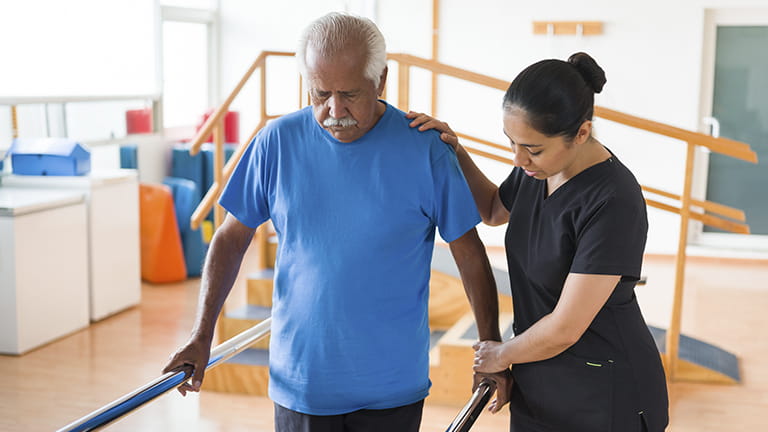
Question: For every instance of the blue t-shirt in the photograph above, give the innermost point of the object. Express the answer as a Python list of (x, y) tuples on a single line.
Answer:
[(356, 226)]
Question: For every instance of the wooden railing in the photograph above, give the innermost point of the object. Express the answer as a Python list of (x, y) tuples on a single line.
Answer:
[(687, 207), (215, 125)]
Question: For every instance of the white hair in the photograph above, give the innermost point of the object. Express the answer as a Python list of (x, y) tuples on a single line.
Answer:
[(335, 32)]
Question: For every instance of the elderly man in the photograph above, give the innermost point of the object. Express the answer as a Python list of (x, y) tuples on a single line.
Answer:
[(355, 195)]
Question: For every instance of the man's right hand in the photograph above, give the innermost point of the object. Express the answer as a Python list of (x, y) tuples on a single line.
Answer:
[(191, 359), (503, 383)]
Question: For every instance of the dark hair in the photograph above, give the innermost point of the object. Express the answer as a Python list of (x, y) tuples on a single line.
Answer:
[(557, 96)]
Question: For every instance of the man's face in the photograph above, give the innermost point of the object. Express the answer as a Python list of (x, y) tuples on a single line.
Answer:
[(344, 101)]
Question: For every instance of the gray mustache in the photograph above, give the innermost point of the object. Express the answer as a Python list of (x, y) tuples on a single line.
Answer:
[(339, 122)]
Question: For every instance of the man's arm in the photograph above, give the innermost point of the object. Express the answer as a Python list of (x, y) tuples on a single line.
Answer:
[(222, 264), (476, 276)]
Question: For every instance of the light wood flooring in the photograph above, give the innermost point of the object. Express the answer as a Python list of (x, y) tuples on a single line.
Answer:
[(726, 303)]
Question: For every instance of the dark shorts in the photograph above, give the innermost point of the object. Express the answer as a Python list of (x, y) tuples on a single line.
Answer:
[(401, 419)]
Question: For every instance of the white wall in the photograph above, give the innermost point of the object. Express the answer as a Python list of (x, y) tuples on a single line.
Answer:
[(651, 52), (77, 47)]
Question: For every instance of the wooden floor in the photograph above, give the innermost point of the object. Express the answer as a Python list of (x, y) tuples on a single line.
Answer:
[(725, 304)]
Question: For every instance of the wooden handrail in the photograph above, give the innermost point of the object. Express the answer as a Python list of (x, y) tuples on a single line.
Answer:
[(484, 142), (706, 219), (217, 187), (728, 147), (444, 69), (724, 146), (709, 206), (218, 115)]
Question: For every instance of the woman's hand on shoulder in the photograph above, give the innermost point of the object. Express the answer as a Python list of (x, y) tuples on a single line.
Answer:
[(425, 122)]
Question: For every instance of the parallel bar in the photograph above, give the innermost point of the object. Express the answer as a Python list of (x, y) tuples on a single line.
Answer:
[(165, 383), (471, 411)]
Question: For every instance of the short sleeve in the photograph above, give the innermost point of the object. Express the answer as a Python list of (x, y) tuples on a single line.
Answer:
[(246, 192), (455, 211), (508, 190), (611, 240)]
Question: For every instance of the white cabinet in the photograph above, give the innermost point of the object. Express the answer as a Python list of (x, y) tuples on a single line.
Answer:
[(114, 265), (43, 267)]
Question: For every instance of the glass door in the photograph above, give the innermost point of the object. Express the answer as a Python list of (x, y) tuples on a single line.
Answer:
[(738, 101)]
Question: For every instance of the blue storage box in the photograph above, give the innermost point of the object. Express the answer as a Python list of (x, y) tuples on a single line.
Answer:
[(49, 156)]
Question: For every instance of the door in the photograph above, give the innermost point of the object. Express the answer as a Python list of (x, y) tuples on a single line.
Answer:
[(736, 92)]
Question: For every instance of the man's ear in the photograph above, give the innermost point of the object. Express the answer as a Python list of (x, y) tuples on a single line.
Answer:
[(382, 81)]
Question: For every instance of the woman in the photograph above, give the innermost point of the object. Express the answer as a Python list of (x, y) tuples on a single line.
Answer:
[(582, 358)]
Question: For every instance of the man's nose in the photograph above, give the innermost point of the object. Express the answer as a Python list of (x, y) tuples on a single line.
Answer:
[(336, 106)]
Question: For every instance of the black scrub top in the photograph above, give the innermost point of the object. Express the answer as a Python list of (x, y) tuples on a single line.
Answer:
[(612, 379)]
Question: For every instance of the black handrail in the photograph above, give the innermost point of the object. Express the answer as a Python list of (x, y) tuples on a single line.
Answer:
[(471, 411)]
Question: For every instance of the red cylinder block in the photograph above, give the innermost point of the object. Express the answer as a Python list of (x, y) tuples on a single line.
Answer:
[(138, 121), (231, 126)]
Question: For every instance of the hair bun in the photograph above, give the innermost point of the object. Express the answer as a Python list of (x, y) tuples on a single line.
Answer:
[(592, 73)]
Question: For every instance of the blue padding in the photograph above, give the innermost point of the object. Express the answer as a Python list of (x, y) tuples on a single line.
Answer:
[(185, 200), (207, 152), (198, 168), (195, 250), (129, 156), (184, 165)]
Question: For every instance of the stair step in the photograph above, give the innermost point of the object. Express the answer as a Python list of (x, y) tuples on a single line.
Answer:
[(471, 332), (450, 360), (259, 287), (245, 373), (250, 312), (434, 337), (262, 274), (251, 357), (238, 320)]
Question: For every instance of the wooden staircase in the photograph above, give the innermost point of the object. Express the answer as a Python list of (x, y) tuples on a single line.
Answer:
[(452, 326)]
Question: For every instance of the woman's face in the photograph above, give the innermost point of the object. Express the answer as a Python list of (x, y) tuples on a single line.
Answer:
[(539, 155)]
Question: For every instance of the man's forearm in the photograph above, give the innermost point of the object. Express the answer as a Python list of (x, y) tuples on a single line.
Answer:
[(479, 285), (220, 270)]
